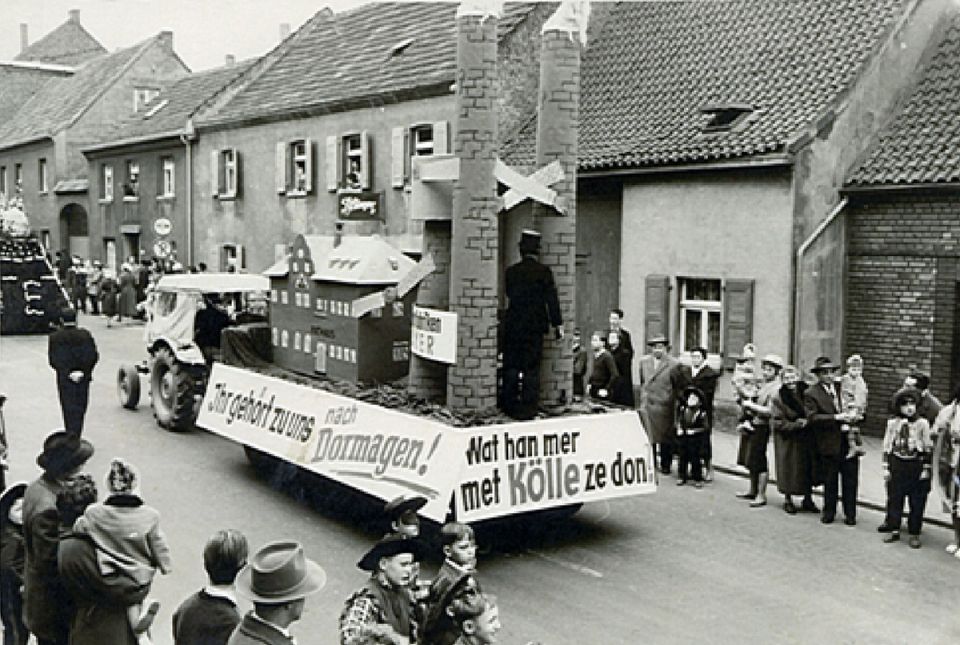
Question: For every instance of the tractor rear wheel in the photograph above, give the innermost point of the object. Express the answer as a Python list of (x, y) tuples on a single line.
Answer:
[(172, 389)]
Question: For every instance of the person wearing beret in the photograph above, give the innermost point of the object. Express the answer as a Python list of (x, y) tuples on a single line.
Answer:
[(532, 309), (72, 353), (278, 579), (384, 607), (825, 417), (660, 383), (44, 596)]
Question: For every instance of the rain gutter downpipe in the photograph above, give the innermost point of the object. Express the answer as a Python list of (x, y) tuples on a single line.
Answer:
[(187, 138), (798, 290)]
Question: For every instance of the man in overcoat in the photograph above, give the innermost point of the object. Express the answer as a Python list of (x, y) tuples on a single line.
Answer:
[(660, 382), (44, 596), (825, 416), (72, 352), (533, 307)]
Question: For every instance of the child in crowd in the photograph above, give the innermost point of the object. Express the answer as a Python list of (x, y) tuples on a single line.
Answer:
[(401, 513), (746, 388), (439, 627), (853, 396), (459, 557), (477, 618), (907, 456), (12, 555), (129, 540), (579, 365), (693, 425), (603, 377)]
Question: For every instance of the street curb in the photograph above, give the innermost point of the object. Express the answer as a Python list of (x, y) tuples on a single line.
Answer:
[(740, 472)]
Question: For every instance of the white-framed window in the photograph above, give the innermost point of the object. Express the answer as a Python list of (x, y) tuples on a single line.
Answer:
[(418, 140), (284, 338), (106, 183), (321, 305), (295, 167), (284, 297), (298, 299), (142, 96), (131, 184), (353, 161), (167, 177), (275, 336), (307, 344), (42, 175), (701, 309), (225, 173), (376, 313), (273, 295), (232, 258), (296, 340)]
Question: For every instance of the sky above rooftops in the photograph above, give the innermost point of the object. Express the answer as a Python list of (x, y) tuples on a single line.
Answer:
[(204, 31)]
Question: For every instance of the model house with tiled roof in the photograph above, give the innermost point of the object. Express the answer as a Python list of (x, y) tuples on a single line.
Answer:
[(41, 141), (902, 216), (713, 143), (147, 156), (326, 125)]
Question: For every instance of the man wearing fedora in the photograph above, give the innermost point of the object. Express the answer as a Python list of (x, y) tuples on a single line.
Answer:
[(533, 307), (72, 353), (384, 607), (825, 417), (660, 382), (278, 579), (44, 596)]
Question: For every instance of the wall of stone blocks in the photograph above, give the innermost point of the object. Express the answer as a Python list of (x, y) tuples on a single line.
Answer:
[(902, 276)]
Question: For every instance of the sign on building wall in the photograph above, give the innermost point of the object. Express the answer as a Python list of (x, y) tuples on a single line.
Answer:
[(162, 226), (359, 206), (434, 335)]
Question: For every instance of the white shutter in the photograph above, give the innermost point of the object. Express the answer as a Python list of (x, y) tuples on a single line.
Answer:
[(440, 146), (332, 162), (214, 173), (365, 160), (308, 179), (281, 169), (398, 157)]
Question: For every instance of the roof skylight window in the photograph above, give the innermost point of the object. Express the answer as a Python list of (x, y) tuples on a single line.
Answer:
[(156, 108), (725, 116), (400, 47)]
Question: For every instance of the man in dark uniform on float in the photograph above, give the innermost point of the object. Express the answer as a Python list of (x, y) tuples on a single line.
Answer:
[(533, 307)]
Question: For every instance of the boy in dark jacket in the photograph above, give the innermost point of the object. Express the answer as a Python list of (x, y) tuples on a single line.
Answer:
[(12, 554), (693, 426)]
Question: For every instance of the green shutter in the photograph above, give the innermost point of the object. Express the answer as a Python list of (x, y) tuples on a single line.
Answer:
[(737, 319), (656, 319)]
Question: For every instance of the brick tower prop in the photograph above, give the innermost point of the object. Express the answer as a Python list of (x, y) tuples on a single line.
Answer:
[(563, 35), (474, 266)]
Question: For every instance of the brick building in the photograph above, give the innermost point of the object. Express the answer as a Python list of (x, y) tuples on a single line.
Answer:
[(333, 116), (54, 110), (714, 138), (903, 253)]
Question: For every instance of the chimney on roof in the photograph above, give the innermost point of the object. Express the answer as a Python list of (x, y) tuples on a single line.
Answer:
[(24, 41), (230, 60), (74, 16), (284, 30)]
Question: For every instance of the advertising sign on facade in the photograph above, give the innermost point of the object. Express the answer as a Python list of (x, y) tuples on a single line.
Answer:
[(359, 206), (434, 335)]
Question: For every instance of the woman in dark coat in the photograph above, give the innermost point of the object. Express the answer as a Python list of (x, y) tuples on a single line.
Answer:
[(127, 304), (109, 289), (622, 356), (792, 442)]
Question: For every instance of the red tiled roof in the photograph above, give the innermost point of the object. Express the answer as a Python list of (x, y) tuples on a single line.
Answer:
[(61, 100), (921, 145), (347, 56), (68, 44), (655, 65)]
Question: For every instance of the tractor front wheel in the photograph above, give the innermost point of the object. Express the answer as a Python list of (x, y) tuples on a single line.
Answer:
[(172, 389)]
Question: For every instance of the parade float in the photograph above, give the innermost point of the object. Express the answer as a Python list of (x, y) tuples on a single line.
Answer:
[(347, 314), (31, 297)]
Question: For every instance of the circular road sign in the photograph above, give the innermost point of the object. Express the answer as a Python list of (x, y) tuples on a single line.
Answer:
[(162, 226), (162, 248)]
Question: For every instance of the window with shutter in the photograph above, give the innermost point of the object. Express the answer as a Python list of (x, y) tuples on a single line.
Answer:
[(282, 170), (441, 145), (398, 157), (352, 162), (737, 319), (216, 171), (656, 307), (366, 170), (333, 163)]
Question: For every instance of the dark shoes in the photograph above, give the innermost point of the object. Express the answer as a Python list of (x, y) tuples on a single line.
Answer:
[(885, 528), (759, 502), (893, 536), (790, 508), (826, 519), (809, 507), (746, 495), (914, 541), (849, 521)]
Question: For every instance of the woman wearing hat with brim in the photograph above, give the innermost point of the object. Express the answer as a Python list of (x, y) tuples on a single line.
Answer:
[(278, 579), (11, 564), (384, 606), (44, 597), (756, 448)]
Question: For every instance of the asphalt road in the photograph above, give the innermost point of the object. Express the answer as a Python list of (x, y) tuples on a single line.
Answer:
[(680, 566)]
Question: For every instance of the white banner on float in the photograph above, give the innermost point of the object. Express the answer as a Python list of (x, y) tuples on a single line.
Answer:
[(374, 449), (434, 335), (529, 466)]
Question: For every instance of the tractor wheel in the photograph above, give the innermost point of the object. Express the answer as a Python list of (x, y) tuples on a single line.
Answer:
[(172, 390), (128, 386)]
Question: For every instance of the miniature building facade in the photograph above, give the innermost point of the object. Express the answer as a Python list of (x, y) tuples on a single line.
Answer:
[(314, 326)]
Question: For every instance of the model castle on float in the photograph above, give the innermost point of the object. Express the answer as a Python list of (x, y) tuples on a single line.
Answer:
[(317, 325)]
